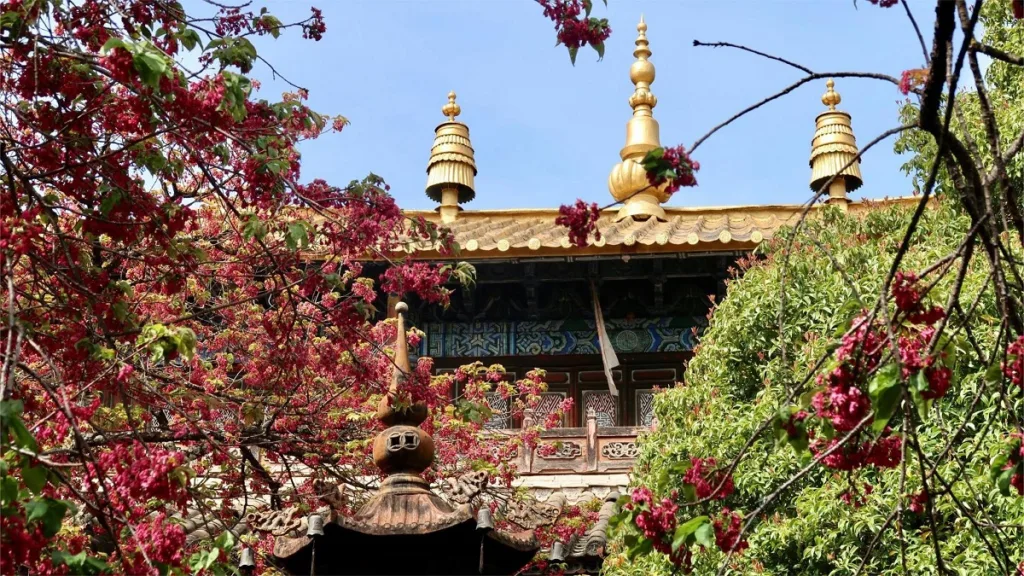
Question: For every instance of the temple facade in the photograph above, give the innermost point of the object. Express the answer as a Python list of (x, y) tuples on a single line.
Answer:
[(611, 322)]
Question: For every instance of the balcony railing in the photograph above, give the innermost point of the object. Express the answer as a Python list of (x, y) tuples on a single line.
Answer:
[(590, 449)]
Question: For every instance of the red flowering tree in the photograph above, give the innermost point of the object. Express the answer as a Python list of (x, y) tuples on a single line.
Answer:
[(188, 329)]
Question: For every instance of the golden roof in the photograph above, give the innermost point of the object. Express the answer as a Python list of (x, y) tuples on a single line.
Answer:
[(494, 234)]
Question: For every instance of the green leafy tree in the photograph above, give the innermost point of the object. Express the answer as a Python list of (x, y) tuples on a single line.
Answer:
[(746, 368)]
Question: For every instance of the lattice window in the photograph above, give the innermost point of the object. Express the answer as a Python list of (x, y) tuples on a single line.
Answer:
[(500, 417), (549, 402), (604, 404), (644, 402)]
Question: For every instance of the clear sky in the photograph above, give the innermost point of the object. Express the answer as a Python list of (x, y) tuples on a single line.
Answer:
[(546, 132)]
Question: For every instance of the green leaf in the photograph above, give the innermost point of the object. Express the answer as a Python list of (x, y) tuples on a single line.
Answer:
[(685, 531), (599, 48), (572, 54), (884, 391), (80, 563), (35, 478), (186, 342), (49, 512), (114, 42), (705, 535), (994, 375), (22, 436), (1003, 481), (8, 490), (642, 549), (189, 38), (151, 66), (588, 6), (226, 541)]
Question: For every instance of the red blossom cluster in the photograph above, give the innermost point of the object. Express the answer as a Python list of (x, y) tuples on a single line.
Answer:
[(884, 3), (1013, 366), (727, 532), (573, 26), (913, 79), (581, 220), (708, 480), (671, 166), (843, 401), (656, 521)]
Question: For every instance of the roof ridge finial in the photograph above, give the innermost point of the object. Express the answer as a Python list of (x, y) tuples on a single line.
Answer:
[(642, 74), (386, 413), (834, 155), (451, 109), (451, 168), (628, 181), (831, 98)]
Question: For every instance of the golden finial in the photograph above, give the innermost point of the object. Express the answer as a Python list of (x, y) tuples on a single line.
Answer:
[(628, 180), (452, 167), (833, 147), (831, 98), (642, 73), (451, 109)]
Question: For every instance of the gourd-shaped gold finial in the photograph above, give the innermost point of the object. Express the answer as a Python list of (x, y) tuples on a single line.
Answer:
[(451, 109), (628, 180), (831, 98), (642, 74)]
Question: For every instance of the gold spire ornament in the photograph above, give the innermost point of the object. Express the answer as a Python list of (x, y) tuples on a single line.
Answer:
[(832, 148), (628, 180), (452, 167)]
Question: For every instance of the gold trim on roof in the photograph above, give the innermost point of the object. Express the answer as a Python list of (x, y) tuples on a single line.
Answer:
[(532, 233)]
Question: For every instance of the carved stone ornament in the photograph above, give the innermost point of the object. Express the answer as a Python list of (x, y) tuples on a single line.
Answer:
[(532, 514), (332, 495), (466, 487), (276, 522), (565, 451), (619, 450)]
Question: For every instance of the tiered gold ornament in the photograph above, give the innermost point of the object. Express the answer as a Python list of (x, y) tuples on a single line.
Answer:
[(451, 168), (832, 148), (628, 181)]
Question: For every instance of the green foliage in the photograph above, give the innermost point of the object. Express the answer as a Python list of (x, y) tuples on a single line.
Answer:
[(1005, 91), (741, 377)]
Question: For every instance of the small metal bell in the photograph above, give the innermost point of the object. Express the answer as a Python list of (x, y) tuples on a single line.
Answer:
[(484, 520), (557, 552), (315, 525), (247, 560)]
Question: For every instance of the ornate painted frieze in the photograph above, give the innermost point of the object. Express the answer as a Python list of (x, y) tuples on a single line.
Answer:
[(576, 336)]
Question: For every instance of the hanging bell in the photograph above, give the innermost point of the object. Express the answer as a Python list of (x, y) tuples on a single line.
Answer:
[(484, 520), (315, 525), (557, 552), (247, 560)]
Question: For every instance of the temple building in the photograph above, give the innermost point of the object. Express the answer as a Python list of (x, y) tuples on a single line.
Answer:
[(610, 322)]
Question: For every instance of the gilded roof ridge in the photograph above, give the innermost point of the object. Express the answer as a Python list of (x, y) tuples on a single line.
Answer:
[(670, 210)]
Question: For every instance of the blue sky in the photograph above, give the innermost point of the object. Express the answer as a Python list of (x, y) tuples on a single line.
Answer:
[(546, 133)]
